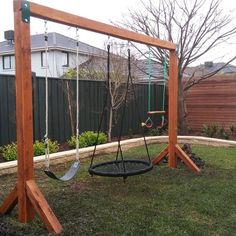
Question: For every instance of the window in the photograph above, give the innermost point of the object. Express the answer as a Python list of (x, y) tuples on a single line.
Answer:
[(65, 59), (43, 59), (8, 62)]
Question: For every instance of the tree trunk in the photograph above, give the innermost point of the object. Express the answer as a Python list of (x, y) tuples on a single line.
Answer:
[(182, 110), (70, 108), (110, 124)]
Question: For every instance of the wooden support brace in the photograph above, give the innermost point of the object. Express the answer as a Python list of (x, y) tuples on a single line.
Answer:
[(186, 159), (10, 202), (161, 155), (42, 208)]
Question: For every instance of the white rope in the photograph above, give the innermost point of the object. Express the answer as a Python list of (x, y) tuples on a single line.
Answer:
[(47, 159), (77, 95)]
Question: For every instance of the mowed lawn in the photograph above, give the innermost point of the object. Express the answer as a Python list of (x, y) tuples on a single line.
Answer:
[(161, 202)]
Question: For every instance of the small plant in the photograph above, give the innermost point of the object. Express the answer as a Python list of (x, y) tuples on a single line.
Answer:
[(39, 147), (153, 132), (9, 152), (87, 139), (222, 133), (232, 129), (210, 130), (216, 131)]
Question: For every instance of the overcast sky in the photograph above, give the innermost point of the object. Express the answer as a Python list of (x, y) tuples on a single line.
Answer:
[(101, 10)]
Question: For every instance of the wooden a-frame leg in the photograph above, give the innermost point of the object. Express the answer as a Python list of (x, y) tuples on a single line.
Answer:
[(42, 208), (10, 202), (180, 153), (161, 155), (185, 158)]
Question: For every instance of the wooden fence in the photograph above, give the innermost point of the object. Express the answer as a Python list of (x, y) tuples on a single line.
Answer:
[(92, 95), (213, 101)]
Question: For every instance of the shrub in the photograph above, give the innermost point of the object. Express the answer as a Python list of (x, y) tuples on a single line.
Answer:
[(210, 130), (39, 147), (87, 139), (153, 132), (9, 152), (217, 131)]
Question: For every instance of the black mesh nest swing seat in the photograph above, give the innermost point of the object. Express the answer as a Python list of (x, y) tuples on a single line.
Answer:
[(120, 167)]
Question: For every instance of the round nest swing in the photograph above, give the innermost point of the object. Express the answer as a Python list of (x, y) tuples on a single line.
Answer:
[(121, 168)]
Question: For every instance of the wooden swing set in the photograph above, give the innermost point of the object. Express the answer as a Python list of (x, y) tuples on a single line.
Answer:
[(26, 193)]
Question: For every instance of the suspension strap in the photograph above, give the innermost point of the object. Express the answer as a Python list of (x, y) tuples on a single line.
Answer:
[(136, 103), (46, 139)]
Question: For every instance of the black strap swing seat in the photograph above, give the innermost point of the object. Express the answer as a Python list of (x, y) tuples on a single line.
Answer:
[(120, 167), (68, 175)]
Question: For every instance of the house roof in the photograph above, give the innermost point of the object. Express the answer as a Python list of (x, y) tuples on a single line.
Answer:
[(142, 71), (209, 67), (55, 41)]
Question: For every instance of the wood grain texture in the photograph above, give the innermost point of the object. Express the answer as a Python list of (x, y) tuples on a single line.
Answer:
[(51, 14), (42, 208), (172, 108), (10, 202), (160, 156), (24, 114), (186, 159)]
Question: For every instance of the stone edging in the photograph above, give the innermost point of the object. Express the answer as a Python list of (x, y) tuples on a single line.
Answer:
[(61, 157)]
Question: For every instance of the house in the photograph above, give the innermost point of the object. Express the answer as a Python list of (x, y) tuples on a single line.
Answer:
[(142, 70), (62, 54), (210, 67)]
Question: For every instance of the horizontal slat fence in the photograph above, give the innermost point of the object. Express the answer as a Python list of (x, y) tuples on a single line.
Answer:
[(213, 101), (92, 97)]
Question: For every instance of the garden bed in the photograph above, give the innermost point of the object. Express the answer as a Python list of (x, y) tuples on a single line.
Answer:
[(161, 202), (65, 156)]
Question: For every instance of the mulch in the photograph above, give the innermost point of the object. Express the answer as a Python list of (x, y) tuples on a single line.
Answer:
[(199, 162), (6, 229)]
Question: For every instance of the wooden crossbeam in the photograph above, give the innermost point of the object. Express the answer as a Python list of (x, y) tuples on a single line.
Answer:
[(51, 14)]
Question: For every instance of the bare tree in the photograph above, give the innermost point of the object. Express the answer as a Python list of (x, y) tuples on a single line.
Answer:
[(95, 68), (197, 27), (116, 88)]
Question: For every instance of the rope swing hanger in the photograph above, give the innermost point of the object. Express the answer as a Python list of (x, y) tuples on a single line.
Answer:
[(121, 167), (149, 122), (76, 164)]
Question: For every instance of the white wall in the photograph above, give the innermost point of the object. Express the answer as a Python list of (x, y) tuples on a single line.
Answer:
[(56, 60)]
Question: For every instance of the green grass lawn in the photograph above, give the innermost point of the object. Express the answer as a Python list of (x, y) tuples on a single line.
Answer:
[(161, 202)]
